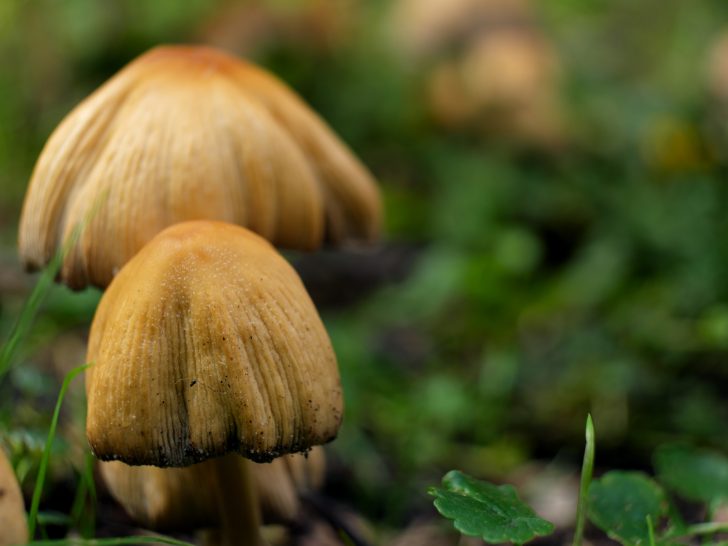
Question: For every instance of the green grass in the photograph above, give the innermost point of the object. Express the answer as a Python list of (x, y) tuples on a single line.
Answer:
[(587, 470), (45, 459), (85, 497), (22, 326)]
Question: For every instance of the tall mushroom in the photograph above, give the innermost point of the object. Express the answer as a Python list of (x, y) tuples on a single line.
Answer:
[(185, 133), (206, 343)]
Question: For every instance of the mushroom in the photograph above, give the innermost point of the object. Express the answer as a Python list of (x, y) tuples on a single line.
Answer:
[(183, 499), (206, 343), (492, 68), (423, 29), (185, 133), (505, 83), (717, 70), (251, 27), (13, 526)]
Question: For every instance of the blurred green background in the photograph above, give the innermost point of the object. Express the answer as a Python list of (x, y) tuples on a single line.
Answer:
[(527, 276)]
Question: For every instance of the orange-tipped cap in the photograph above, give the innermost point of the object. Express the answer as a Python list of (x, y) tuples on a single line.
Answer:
[(185, 133)]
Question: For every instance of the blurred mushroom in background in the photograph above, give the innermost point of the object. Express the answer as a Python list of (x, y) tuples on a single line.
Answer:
[(717, 89), (717, 70), (491, 68), (251, 27)]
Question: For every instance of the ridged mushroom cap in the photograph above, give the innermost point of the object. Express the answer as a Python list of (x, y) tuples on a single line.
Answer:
[(13, 526), (206, 342), (183, 499), (185, 133)]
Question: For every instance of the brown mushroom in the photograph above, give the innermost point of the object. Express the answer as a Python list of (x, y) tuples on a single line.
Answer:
[(185, 133), (205, 343), (13, 526)]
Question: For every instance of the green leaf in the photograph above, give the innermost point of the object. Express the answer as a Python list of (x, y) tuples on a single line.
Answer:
[(494, 513), (697, 475), (620, 502)]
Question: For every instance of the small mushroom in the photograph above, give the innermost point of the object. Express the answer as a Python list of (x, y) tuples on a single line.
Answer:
[(492, 68), (13, 526), (423, 29), (206, 343), (505, 83), (185, 133), (717, 70), (251, 27)]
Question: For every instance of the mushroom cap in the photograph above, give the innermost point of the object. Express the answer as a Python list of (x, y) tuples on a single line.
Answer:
[(183, 499), (13, 526), (206, 342), (186, 133)]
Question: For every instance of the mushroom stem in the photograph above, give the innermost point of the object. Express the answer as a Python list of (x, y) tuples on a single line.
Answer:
[(237, 505)]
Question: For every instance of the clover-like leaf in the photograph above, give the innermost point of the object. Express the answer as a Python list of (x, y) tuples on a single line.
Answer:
[(697, 475), (620, 502), (492, 512)]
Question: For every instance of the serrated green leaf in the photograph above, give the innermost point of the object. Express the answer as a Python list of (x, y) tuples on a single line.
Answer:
[(494, 513), (620, 502), (694, 474)]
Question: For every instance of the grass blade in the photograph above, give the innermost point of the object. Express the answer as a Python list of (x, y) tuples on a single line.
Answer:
[(45, 458), (22, 326), (587, 469), (84, 504), (651, 530)]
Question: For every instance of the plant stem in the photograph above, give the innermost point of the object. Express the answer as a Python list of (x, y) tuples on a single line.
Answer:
[(702, 529), (587, 470)]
